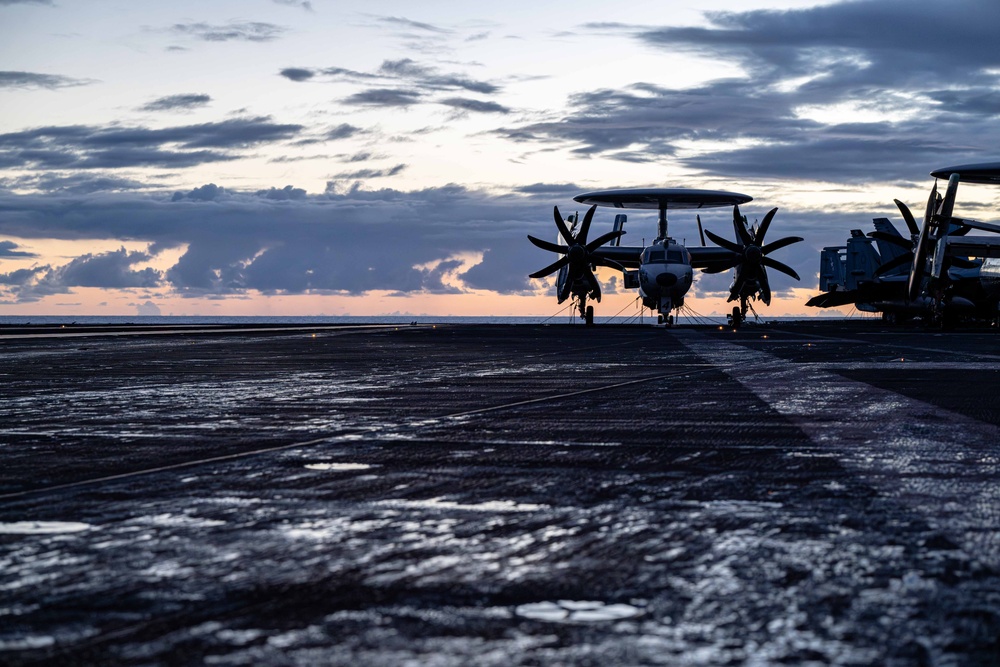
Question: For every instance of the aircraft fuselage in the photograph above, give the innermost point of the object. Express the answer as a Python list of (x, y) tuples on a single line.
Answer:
[(665, 275)]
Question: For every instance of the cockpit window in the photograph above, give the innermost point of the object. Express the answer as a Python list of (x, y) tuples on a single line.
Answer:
[(655, 256), (675, 257)]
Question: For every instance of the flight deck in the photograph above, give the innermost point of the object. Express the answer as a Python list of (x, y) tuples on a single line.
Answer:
[(813, 492)]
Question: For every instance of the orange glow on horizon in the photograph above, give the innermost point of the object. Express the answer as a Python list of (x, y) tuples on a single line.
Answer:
[(103, 302)]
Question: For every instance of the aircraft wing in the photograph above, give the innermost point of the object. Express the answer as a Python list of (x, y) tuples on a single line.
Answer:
[(707, 257), (885, 290), (972, 246), (627, 256), (701, 257)]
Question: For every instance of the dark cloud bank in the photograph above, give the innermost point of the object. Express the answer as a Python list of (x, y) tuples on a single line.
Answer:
[(113, 147), (285, 241), (934, 65)]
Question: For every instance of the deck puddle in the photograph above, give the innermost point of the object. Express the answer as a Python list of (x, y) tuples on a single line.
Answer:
[(572, 611), (338, 466), (42, 527)]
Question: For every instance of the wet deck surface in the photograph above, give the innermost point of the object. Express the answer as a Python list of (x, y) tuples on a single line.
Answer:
[(502, 495)]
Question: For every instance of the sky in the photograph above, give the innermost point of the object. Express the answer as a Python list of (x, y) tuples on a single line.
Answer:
[(311, 157)]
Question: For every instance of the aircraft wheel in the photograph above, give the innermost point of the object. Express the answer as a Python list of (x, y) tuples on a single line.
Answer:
[(737, 317), (659, 319), (589, 318)]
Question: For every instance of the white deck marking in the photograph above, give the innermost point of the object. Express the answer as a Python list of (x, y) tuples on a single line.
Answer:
[(942, 464)]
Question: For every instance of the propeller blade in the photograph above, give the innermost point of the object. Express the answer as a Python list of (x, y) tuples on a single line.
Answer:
[(742, 234), (602, 239), (764, 224), (931, 206), (565, 288), (551, 268), (595, 286), (923, 247), (902, 260), (765, 286), (701, 232), (911, 224), (728, 245), (778, 266), (547, 245), (722, 266), (588, 217), (894, 240), (947, 205), (561, 226), (780, 243)]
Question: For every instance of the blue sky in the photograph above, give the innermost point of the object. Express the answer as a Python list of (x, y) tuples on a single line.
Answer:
[(289, 157)]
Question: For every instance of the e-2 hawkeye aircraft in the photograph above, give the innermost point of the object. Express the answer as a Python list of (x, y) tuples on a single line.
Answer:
[(663, 270), (938, 273)]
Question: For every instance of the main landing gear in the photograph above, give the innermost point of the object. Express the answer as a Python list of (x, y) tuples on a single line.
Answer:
[(668, 320), (585, 310), (736, 319)]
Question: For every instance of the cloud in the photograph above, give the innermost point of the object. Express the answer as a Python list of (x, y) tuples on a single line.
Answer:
[(177, 102), (9, 249), (297, 73), (108, 270), (9, 79), (147, 309), (476, 106), (551, 190), (860, 91), (303, 4), (4, 3), (405, 82), (114, 146), (281, 240), (343, 131), (408, 69), (353, 240), (412, 25), (245, 31), (287, 193), (208, 192), (75, 184), (22, 285), (371, 173), (384, 97)]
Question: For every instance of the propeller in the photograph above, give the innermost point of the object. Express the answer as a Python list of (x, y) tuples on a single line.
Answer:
[(937, 213), (577, 255), (751, 257)]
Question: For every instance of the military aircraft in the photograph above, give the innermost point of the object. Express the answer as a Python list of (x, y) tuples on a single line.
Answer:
[(938, 274), (663, 270)]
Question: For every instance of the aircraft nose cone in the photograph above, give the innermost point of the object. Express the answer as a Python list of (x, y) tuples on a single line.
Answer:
[(666, 280)]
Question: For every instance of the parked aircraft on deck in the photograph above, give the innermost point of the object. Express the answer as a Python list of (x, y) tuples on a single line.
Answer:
[(938, 273), (663, 270)]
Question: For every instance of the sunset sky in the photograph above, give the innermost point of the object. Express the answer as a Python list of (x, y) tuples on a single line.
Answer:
[(290, 157)]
